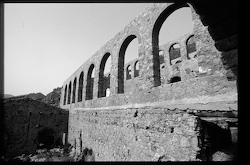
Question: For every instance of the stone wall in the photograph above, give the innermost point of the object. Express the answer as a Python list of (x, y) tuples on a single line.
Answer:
[(148, 117), (148, 133), (207, 87), (24, 119), (145, 27)]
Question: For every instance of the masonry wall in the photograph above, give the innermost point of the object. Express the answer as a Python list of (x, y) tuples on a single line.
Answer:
[(148, 133), (24, 119), (126, 125), (151, 74), (136, 134)]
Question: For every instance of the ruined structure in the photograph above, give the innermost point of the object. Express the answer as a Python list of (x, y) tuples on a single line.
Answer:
[(176, 102), (31, 124)]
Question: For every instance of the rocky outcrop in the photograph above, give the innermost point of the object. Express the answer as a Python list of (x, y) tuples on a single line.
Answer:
[(53, 98), (36, 96)]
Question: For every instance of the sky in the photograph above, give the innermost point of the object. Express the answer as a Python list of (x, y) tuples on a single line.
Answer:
[(44, 43)]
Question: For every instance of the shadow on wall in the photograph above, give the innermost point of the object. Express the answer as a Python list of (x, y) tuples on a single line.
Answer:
[(47, 138), (214, 140), (87, 155), (31, 124)]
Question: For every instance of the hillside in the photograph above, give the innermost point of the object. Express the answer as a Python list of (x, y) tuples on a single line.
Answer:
[(8, 96), (36, 96), (53, 98)]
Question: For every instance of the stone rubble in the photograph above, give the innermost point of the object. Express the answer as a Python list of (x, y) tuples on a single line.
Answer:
[(59, 154)]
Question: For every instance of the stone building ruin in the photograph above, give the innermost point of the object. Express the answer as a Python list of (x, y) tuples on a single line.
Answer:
[(162, 106)]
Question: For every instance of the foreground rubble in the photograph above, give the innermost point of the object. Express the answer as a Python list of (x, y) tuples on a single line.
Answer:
[(59, 154)]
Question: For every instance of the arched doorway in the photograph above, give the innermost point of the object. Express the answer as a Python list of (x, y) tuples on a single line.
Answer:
[(158, 40)]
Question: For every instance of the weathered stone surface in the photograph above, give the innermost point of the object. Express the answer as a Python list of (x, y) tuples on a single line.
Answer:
[(184, 142), (121, 126), (53, 98), (221, 156), (194, 143), (143, 88), (145, 142)]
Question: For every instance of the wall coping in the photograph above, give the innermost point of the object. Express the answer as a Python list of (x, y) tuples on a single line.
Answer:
[(222, 102)]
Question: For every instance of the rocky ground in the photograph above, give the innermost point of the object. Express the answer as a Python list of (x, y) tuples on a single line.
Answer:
[(59, 154), (53, 98), (67, 154)]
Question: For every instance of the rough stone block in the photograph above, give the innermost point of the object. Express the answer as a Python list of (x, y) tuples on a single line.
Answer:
[(184, 142), (230, 58)]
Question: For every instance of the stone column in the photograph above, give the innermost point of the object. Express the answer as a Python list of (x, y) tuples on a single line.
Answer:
[(183, 51)]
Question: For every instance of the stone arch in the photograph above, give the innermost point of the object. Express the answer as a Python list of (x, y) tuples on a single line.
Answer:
[(80, 87), (69, 93), (136, 69), (90, 83), (128, 72), (74, 91), (174, 53), (65, 95), (121, 58), (155, 39), (191, 47), (104, 82)]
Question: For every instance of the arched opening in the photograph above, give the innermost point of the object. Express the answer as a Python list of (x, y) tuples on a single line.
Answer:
[(174, 54), (177, 24), (80, 87), (128, 72), (104, 81), (175, 79), (107, 92), (69, 93), (136, 69), (74, 91), (121, 60), (90, 82), (46, 138), (169, 20), (65, 95), (191, 47)]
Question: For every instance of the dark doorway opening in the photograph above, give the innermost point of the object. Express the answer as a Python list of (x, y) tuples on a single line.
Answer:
[(46, 138)]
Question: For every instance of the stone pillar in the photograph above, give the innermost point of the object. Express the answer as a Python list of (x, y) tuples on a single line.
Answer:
[(183, 51), (64, 138), (133, 70), (96, 79), (113, 75), (76, 90)]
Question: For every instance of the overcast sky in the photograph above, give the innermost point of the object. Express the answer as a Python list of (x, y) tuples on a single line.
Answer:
[(45, 43)]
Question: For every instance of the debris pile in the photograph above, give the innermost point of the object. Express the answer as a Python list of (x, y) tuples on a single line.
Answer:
[(59, 154)]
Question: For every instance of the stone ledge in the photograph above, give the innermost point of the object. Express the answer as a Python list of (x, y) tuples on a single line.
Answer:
[(223, 102)]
